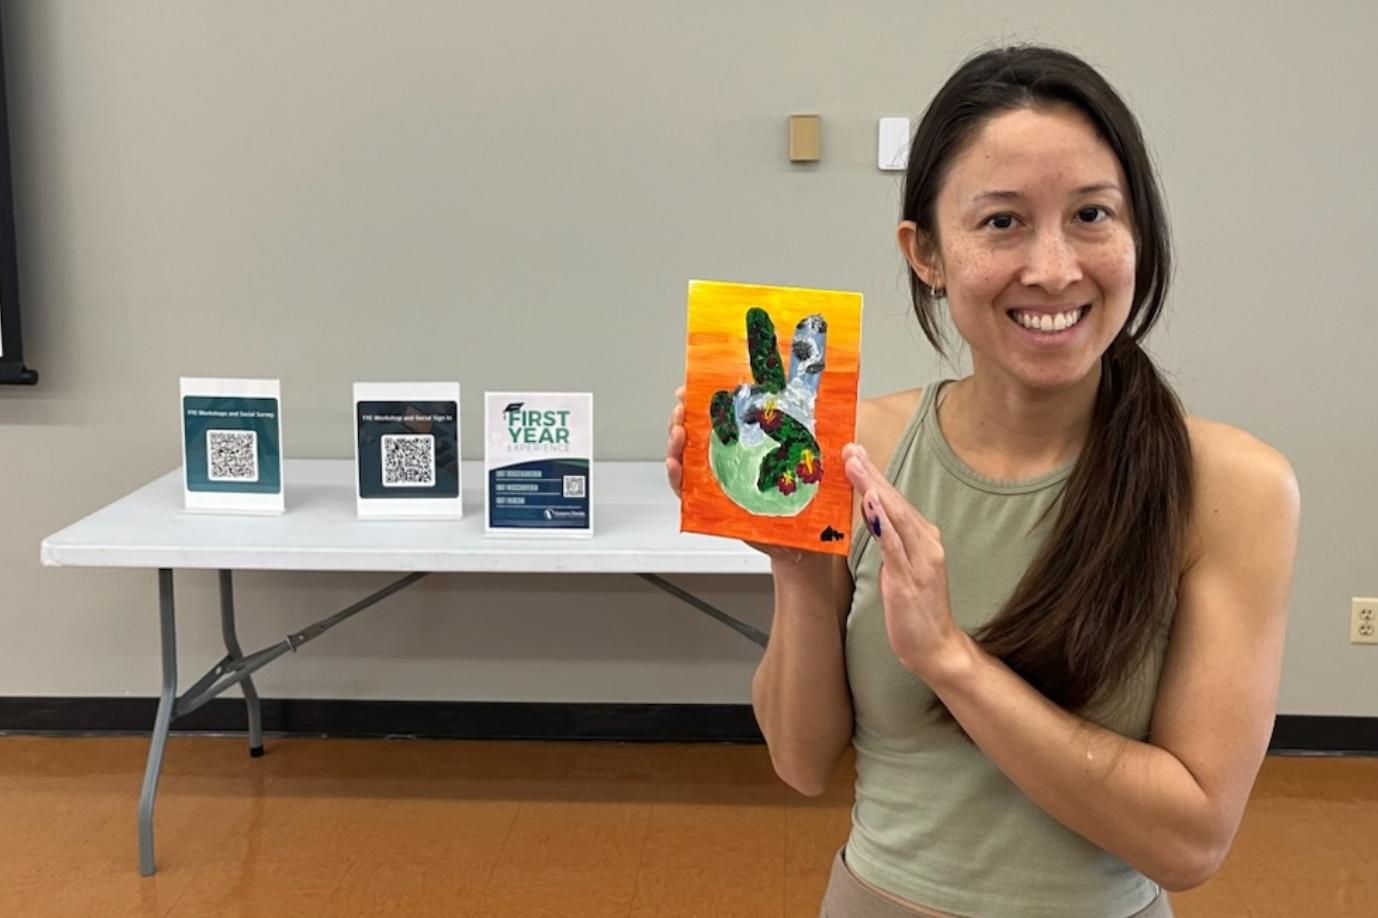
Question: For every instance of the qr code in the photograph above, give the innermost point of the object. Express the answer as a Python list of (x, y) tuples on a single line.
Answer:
[(232, 455), (574, 485), (408, 460)]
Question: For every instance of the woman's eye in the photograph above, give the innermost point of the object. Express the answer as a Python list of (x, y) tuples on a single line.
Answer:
[(1000, 221), (1089, 214)]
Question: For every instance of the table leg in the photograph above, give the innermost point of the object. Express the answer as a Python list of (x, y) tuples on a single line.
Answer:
[(751, 633), (232, 645), (168, 630)]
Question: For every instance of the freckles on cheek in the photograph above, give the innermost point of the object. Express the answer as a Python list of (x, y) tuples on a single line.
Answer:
[(1123, 260), (1123, 249), (970, 268), (979, 274)]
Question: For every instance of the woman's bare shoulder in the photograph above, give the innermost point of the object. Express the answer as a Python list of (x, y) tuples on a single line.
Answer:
[(1233, 468), (1220, 451), (881, 420)]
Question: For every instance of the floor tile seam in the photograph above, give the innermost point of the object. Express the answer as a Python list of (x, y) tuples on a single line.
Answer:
[(1307, 805), (1244, 877), (784, 875), (1340, 828), (349, 864), (1342, 833), (1240, 897), (492, 861), (186, 888), (388, 805), (1287, 778), (641, 855), (497, 858), (1248, 907)]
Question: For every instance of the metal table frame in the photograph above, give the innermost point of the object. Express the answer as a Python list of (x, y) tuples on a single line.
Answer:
[(148, 529), (237, 668)]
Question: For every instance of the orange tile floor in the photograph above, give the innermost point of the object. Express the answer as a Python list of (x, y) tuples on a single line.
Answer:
[(418, 828)]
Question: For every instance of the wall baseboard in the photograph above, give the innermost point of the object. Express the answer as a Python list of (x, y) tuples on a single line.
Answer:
[(1316, 733), (680, 723)]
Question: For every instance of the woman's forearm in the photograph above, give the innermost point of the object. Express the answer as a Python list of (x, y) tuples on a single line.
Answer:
[(1133, 799), (799, 693)]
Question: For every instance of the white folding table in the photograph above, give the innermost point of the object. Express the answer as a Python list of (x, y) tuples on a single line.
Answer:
[(637, 532)]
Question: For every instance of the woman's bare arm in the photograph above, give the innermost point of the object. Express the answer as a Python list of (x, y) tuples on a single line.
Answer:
[(799, 692), (1170, 806)]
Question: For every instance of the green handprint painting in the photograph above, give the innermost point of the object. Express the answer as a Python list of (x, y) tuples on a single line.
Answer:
[(766, 423), (763, 450)]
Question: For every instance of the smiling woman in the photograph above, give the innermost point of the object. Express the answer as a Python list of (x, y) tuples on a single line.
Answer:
[(1047, 206), (1056, 646)]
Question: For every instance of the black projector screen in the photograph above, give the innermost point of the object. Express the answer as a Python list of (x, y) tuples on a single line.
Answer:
[(12, 369)]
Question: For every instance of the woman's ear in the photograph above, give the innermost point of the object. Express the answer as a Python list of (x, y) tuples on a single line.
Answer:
[(921, 251)]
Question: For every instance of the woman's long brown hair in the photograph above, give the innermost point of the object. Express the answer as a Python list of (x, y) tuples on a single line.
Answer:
[(1104, 584)]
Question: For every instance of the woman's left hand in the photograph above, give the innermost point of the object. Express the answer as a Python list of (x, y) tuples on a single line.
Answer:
[(913, 572)]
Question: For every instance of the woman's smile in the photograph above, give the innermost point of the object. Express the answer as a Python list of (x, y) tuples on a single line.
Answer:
[(1047, 328)]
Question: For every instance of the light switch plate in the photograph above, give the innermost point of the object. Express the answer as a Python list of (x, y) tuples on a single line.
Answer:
[(892, 147)]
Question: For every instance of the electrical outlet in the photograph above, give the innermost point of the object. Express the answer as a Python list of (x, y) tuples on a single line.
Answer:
[(1363, 620)]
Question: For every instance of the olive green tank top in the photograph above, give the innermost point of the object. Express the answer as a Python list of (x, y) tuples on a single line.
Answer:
[(935, 821)]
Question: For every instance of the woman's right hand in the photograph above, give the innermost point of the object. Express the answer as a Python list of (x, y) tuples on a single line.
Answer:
[(674, 471)]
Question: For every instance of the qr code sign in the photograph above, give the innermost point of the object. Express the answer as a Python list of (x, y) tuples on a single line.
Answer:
[(232, 455), (408, 460), (574, 485)]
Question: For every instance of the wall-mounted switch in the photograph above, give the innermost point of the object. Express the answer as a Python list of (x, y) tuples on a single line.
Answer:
[(804, 138), (892, 148)]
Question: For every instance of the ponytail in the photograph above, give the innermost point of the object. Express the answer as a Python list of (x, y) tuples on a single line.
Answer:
[(1104, 585)]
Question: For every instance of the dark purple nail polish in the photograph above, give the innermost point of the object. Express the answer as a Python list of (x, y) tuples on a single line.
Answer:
[(875, 526)]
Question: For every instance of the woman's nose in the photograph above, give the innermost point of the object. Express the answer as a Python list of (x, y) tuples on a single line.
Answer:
[(1052, 264)]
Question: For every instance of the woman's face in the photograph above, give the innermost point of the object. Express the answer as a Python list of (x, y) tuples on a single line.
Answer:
[(1034, 223)]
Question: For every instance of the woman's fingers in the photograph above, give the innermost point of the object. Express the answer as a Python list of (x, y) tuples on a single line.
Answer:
[(674, 471), (895, 555), (674, 445), (857, 468), (674, 458), (892, 497), (877, 493), (898, 517)]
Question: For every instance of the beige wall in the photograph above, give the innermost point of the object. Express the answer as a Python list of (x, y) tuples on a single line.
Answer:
[(326, 192)]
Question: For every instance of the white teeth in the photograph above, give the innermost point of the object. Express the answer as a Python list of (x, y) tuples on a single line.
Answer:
[(1047, 323)]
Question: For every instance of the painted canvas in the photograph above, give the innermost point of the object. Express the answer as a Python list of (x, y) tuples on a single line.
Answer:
[(770, 400)]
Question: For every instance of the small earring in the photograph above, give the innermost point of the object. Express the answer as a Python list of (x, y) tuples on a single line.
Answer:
[(938, 292)]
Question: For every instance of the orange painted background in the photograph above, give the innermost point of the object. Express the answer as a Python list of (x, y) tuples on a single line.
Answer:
[(717, 359)]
